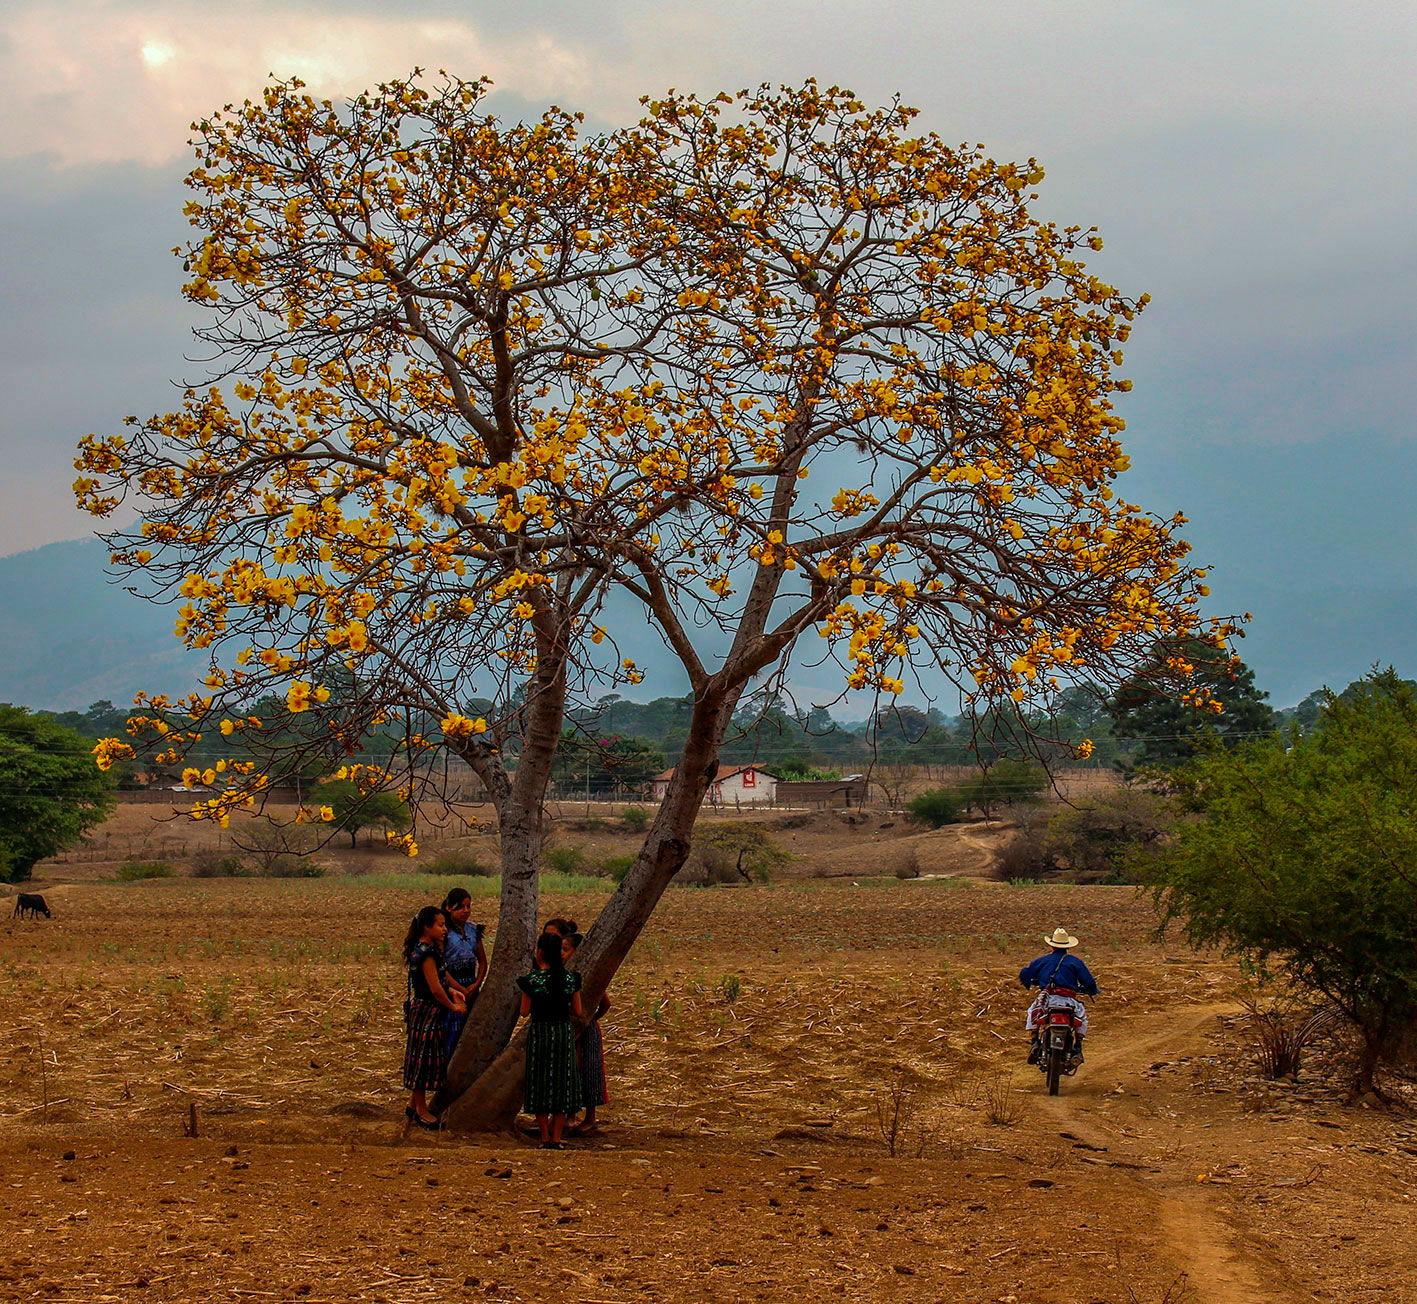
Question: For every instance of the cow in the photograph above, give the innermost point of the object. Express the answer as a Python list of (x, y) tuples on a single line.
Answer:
[(31, 904)]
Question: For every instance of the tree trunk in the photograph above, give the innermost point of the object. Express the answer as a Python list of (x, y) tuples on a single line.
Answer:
[(489, 1099), (1369, 1056), (494, 1017)]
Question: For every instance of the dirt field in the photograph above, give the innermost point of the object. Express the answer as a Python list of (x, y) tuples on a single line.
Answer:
[(743, 1156)]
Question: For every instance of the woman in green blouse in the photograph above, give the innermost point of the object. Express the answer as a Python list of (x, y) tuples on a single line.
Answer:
[(551, 996)]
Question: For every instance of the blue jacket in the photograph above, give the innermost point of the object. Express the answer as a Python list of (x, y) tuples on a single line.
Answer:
[(1063, 969)]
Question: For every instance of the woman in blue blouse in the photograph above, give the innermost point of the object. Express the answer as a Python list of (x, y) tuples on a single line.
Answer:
[(464, 955)]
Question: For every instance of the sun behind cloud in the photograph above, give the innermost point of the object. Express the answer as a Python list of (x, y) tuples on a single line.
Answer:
[(93, 82)]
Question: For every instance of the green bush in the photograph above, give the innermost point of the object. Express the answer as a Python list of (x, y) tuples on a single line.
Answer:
[(938, 807), (564, 860), (637, 817), (458, 864), (734, 853), (131, 871), (616, 867)]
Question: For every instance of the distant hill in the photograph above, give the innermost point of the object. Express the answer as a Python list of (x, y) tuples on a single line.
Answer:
[(69, 637)]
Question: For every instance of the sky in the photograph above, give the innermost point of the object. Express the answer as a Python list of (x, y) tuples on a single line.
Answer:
[(1252, 165)]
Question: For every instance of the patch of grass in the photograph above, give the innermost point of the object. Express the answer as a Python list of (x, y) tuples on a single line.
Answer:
[(636, 817), (133, 871), (435, 885), (458, 864)]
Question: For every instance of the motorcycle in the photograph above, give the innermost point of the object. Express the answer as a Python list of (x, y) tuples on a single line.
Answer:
[(1059, 1053)]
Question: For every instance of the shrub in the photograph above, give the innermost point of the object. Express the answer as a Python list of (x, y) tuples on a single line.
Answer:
[(616, 867), (268, 842), (738, 852), (459, 863), (1303, 857), (1024, 858), (293, 867), (1110, 835), (213, 864), (908, 866), (564, 860), (938, 807), (1284, 1020), (637, 817), (131, 871)]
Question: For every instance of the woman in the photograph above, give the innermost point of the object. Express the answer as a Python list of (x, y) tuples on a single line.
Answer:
[(590, 1054), (464, 955), (431, 998), (551, 996)]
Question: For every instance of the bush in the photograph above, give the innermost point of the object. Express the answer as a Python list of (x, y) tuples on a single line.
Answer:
[(739, 852), (1108, 836), (294, 867), (212, 864), (267, 842), (938, 807), (459, 864), (637, 817), (1024, 859), (131, 871), (616, 867), (564, 860), (908, 866), (1303, 858)]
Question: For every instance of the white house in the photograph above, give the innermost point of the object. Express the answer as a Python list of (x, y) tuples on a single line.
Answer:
[(743, 785)]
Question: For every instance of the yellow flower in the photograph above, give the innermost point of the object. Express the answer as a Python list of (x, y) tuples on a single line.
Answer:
[(108, 750), (327, 813)]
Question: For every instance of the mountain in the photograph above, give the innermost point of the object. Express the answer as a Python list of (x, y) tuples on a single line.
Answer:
[(70, 637)]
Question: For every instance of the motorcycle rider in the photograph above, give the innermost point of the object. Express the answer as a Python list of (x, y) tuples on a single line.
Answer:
[(1059, 976)]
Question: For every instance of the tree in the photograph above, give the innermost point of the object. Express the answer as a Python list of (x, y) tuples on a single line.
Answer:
[(479, 380), (1004, 783), (593, 763), (354, 809), (1105, 835), (1304, 852), (50, 793), (1217, 699)]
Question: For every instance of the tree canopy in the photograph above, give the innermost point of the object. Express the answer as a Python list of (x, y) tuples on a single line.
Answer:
[(760, 366), (1187, 695), (1304, 852), (50, 793)]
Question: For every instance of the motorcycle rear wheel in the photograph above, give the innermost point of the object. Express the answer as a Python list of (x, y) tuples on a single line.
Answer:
[(1055, 1071)]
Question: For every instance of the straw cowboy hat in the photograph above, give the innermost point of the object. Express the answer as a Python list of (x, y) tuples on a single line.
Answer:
[(1061, 938)]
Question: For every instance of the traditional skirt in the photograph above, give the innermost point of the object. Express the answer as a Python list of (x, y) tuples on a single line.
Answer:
[(456, 1022), (553, 1080), (591, 1048), (425, 1058)]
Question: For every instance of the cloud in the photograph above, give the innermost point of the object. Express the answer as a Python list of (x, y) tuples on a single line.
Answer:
[(89, 82)]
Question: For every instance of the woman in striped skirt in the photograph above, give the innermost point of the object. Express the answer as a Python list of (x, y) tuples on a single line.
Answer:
[(590, 1055), (432, 997), (551, 996)]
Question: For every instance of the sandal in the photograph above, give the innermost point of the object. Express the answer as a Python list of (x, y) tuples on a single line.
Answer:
[(427, 1124)]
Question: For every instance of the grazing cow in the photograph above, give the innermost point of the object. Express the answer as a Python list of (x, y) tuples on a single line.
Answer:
[(31, 904)]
